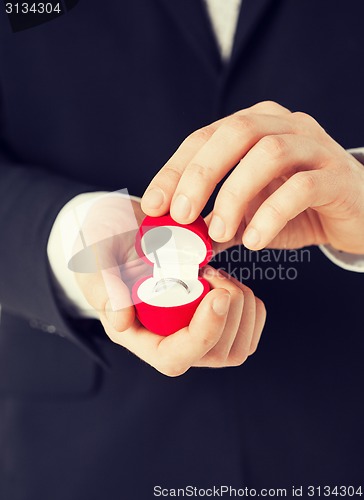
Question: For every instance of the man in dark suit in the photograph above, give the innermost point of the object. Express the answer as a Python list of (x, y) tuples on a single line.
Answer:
[(99, 99)]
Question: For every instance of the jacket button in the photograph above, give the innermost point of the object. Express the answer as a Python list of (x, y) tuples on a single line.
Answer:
[(37, 324)]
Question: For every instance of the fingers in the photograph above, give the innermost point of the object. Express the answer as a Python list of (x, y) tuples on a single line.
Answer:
[(240, 338), (109, 296), (187, 187), (301, 191), (156, 200), (271, 157), (203, 333), (260, 139), (175, 354), (240, 350), (222, 332), (219, 354), (231, 142), (269, 108)]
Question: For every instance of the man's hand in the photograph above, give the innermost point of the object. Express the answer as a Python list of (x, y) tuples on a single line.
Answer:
[(290, 183), (224, 331)]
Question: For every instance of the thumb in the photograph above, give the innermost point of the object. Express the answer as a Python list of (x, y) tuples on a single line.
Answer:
[(187, 346)]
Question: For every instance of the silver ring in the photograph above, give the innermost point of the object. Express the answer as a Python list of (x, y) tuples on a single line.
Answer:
[(166, 283)]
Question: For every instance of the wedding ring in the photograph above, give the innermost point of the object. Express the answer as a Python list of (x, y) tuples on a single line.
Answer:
[(164, 283)]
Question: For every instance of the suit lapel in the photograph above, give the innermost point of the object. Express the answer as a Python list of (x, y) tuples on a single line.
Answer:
[(192, 20), (251, 15)]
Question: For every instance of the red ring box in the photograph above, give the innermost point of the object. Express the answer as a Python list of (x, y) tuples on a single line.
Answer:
[(176, 252)]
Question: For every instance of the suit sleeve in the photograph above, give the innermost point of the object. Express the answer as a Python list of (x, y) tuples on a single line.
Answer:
[(30, 199)]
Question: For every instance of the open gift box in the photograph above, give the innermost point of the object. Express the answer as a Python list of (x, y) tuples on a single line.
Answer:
[(166, 300)]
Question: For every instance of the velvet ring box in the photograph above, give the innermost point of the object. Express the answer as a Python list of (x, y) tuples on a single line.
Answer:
[(166, 300)]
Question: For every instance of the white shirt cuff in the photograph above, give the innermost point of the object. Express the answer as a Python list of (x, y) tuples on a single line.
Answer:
[(348, 261)]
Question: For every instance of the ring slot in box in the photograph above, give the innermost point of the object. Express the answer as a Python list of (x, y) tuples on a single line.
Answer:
[(166, 300)]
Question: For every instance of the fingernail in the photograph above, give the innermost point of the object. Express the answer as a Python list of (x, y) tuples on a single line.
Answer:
[(221, 304), (154, 198), (251, 238), (181, 207), (217, 228)]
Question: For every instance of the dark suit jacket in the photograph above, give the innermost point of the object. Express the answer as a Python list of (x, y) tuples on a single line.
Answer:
[(98, 99)]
